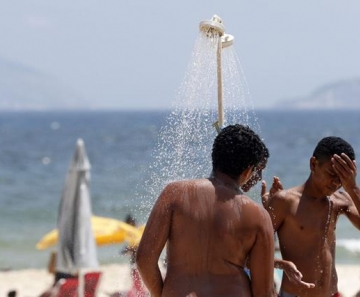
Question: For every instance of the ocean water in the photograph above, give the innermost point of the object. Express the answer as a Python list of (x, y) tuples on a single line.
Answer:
[(36, 149)]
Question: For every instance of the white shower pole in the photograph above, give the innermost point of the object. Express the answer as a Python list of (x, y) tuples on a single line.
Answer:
[(214, 28), (220, 85)]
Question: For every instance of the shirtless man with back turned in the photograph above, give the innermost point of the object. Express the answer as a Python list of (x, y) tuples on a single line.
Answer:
[(212, 229), (305, 218)]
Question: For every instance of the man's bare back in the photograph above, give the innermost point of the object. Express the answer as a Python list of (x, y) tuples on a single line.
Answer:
[(217, 224), (212, 232)]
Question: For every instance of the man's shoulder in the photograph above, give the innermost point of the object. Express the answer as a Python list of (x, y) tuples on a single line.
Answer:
[(255, 208), (283, 199), (180, 182), (181, 186), (260, 216), (288, 194)]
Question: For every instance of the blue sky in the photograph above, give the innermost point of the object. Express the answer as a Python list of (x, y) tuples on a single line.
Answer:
[(134, 54)]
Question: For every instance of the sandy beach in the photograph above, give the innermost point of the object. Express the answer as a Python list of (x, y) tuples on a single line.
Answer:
[(115, 278), (33, 282)]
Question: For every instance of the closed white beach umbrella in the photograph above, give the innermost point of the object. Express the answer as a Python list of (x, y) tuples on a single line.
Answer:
[(76, 248)]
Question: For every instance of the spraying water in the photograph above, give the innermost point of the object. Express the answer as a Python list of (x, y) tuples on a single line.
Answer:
[(185, 141)]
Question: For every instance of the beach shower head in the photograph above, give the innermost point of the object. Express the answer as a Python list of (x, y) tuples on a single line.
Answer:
[(212, 27), (227, 40)]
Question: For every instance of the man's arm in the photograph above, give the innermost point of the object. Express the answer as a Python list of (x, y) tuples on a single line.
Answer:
[(261, 260), (274, 204), (346, 170), (153, 241), (293, 274), (275, 187)]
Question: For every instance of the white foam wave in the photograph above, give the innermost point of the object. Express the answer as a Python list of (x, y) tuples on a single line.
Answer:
[(352, 245)]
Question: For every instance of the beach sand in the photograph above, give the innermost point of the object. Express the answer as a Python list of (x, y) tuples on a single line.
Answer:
[(349, 279), (115, 278), (33, 282)]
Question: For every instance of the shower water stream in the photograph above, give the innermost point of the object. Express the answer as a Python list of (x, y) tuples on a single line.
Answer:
[(183, 150)]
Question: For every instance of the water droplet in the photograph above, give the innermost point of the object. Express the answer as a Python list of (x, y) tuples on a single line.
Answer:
[(55, 125), (46, 160)]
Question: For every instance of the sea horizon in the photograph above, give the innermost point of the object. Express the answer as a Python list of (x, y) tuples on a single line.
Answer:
[(36, 148)]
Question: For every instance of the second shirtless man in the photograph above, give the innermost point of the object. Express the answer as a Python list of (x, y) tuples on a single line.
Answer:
[(305, 218)]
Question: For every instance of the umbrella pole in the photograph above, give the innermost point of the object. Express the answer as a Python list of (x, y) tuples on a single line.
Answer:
[(81, 286)]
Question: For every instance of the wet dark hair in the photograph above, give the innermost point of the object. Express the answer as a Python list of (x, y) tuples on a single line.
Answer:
[(331, 145), (236, 148)]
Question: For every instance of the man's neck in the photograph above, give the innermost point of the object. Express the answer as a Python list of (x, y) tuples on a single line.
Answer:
[(310, 191), (226, 181)]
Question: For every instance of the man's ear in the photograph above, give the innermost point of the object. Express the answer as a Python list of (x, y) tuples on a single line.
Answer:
[(313, 162), (248, 172)]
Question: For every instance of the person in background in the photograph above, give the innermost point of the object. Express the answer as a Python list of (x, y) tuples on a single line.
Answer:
[(137, 289), (52, 269), (57, 276), (211, 228), (305, 218), (130, 250)]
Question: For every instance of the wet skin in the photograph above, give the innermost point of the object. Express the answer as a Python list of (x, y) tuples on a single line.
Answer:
[(211, 232), (305, 219)]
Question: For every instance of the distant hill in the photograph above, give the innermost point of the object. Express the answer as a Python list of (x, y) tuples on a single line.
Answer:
[(338, 95), (25, 88)]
